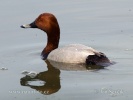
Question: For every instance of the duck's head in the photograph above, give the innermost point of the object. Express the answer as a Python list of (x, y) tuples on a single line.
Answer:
[(49, 24)]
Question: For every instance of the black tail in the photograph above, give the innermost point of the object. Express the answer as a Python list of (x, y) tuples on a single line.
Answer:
[(97, 59)]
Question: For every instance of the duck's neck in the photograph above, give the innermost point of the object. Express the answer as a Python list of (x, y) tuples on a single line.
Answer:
[(52, 43)]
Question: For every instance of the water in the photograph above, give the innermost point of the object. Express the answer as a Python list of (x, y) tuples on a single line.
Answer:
[(104, 25)]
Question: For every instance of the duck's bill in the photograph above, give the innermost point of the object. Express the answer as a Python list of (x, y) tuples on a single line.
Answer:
[(25, 26), (32, 25)]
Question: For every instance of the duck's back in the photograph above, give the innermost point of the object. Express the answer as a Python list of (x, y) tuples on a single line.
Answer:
[(73, 53)]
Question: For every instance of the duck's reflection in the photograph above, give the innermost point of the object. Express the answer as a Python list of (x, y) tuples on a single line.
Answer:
[(51, 79)]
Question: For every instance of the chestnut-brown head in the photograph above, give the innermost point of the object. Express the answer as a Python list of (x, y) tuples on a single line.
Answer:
[(49, 24)]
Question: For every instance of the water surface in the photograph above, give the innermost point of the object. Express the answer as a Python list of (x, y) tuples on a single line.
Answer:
[(104, 25)]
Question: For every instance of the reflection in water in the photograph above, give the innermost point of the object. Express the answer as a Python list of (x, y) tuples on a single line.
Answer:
[(51, 79)]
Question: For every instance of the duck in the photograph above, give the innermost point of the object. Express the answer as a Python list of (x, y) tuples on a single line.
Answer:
[(72, 53)]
